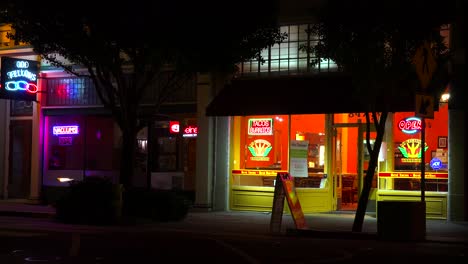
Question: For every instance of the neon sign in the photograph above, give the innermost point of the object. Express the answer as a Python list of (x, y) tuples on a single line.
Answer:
[(174, 127), (21, 85), (19, 79), (260, 149), (410, 125), (65, 130), (190, 131), (260, 126), (412, 150)]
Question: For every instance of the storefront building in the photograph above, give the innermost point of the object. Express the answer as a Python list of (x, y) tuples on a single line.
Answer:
[(337, 160), (65, 134), (261, 116), (81, 139)]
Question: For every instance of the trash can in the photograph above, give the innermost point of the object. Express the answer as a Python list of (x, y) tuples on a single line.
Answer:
[(401, 220)]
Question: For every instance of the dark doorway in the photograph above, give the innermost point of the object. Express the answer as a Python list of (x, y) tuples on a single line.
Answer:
[(19, 175)]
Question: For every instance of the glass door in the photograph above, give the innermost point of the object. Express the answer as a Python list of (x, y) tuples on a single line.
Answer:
[(351, 159), (346, 166)]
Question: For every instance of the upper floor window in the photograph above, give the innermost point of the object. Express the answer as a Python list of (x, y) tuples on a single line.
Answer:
[(287, 57)]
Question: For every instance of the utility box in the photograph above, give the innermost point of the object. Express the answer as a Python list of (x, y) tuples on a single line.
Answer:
[(401, 220)]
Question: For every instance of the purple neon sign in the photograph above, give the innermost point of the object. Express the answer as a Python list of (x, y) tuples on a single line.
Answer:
[(65, 130)]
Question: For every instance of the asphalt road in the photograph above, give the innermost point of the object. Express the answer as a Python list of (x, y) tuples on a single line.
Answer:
[(195, 247)]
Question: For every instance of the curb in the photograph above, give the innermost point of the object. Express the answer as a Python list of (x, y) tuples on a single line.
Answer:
[(331, 234), (28, 214)]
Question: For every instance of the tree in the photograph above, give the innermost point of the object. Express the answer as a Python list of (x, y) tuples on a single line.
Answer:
[(375, 42), (128, 46)]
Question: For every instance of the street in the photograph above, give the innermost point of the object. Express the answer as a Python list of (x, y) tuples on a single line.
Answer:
[(179, 246)]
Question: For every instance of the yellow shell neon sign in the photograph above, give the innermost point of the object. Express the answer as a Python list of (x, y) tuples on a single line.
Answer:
[(411, 150)]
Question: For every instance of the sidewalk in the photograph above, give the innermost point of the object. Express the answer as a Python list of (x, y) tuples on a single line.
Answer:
[(14, 216)]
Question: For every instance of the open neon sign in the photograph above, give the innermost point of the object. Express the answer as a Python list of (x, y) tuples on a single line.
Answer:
[(65, 130), (410, 125)]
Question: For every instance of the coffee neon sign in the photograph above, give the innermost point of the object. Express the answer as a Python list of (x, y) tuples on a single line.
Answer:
[(410, 125), (190, 131)]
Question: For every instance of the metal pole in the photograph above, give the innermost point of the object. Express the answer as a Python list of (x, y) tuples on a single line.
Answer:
[(423, 164)]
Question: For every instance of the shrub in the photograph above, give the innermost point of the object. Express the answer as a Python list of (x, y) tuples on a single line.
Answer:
[(94, 201), (158, 205)]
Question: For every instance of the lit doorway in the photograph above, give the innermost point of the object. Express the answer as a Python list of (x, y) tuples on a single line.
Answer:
[(350, 161)]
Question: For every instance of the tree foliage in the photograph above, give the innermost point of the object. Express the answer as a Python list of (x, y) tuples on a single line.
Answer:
[(375, 42), (127, 46)]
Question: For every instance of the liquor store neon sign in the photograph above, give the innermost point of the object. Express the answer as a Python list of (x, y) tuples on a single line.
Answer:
[(65, 130)]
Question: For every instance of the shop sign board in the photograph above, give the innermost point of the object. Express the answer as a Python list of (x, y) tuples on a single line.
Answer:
[(438, 175), (298, 158), (284, 188), (19, 79)]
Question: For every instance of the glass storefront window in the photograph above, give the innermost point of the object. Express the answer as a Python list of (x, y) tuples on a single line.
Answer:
[(407, 152), (265, 141), (79, 146), (265, 147), (310, 128)]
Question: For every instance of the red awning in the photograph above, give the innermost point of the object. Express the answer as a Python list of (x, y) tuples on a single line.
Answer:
[(310, 94)]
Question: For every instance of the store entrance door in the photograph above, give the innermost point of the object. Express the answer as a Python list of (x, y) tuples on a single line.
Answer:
[(19, 174), (350, 163)]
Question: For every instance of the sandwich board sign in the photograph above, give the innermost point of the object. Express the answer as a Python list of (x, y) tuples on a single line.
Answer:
[(284, 188)]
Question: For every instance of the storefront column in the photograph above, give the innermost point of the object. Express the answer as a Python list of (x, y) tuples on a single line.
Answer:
[(221, 160), (36, 147), (457, 186), (211, 179), (204, 163), (4, 147)]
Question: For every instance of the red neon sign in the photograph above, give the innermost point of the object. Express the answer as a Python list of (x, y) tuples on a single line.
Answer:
[(410, 125), (190, 131), (174, 127)]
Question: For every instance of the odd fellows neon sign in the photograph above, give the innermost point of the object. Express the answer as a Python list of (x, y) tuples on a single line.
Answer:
[(412, 150), (65, 130), (410, 125), (19, 79), (260, 126)]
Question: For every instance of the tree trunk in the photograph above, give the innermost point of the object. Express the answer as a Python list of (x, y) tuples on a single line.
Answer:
[(374, 157), (127, 156)]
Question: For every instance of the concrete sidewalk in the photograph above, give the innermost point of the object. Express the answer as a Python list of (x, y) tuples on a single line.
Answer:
[(16, 216)]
